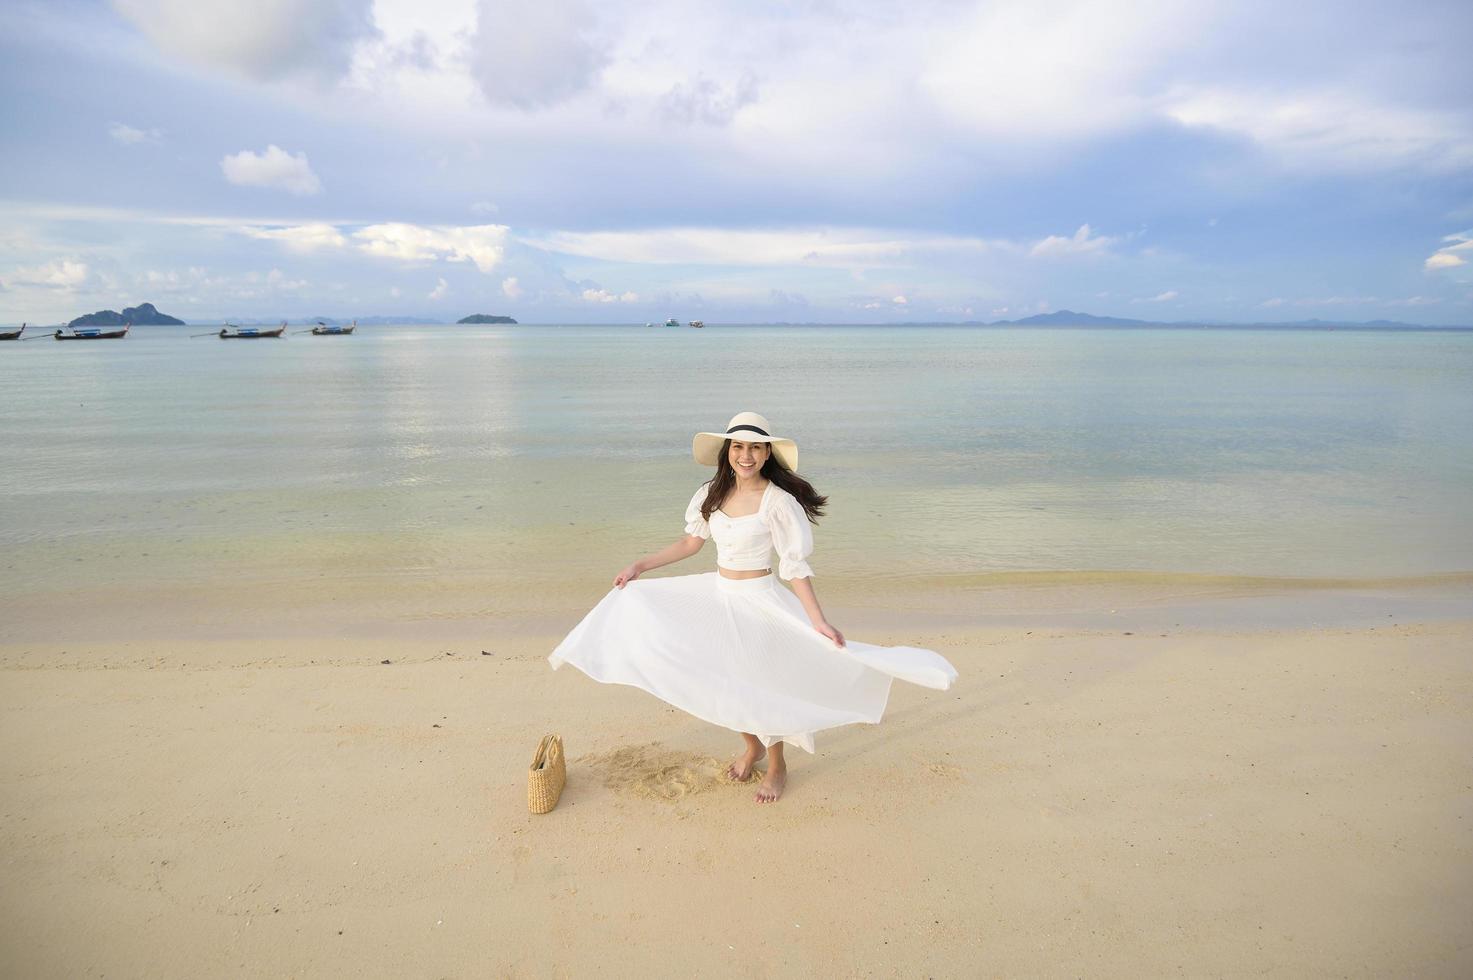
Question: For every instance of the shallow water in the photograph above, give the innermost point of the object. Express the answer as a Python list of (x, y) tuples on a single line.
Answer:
[(488, 468)]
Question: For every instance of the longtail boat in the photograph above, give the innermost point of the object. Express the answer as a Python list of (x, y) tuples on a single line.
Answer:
[(333, 330), (249, 333), (93, 333), (12, 334)]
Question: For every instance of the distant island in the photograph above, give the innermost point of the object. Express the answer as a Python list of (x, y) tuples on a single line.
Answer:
[(143, 314), (1069, 318), (485, 318)]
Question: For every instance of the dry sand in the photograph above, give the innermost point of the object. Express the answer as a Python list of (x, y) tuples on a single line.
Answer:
[(1295, 802)]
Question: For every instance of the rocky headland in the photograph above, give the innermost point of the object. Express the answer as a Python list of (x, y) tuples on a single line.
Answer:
[(144, 314)]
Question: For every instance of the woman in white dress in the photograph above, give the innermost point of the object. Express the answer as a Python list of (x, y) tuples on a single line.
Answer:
[(733, 647)]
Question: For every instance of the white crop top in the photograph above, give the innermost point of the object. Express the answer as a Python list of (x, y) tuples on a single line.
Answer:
[(745, 544)]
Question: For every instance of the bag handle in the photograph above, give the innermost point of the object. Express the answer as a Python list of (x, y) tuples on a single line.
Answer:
[(543, 756)]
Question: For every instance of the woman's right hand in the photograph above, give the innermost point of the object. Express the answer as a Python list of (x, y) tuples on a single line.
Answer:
[(626, 576)]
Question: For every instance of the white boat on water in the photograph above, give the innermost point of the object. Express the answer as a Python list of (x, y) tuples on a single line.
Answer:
[(698, 324), (672, 322)]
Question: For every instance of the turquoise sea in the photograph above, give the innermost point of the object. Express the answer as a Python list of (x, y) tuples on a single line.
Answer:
[(417, 472)]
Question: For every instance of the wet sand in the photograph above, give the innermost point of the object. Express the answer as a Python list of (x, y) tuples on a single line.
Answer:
[(1121, 798)]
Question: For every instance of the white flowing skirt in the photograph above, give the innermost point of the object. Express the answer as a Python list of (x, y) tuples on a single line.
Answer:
[(740, 653)]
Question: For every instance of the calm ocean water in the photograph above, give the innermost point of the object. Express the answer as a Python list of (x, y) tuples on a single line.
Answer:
[(499, 468)]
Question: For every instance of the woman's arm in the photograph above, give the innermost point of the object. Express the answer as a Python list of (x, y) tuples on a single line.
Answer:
[(678, 551), (803, 589)]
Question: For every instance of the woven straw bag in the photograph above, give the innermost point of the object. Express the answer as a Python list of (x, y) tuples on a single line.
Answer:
[(547, 776)]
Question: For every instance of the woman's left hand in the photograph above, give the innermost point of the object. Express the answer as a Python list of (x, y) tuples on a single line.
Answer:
[(830, 632)]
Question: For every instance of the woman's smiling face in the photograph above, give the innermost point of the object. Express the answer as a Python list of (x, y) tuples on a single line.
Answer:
[(747, 457)]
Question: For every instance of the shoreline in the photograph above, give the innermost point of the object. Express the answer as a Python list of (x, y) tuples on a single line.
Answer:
[(465, 607), (367, 323), (1081, 802)]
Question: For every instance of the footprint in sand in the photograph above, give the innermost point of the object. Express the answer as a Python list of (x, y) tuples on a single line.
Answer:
[(653, 772), (945, 770)]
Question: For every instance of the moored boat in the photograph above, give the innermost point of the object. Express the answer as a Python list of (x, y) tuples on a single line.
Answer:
[(249, 333), (12, 334), (93, 333), (333, 329), (672, 322), (698, 324)]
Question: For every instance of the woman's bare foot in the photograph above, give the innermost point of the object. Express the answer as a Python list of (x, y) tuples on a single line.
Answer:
[(774, 781), (740, 769)]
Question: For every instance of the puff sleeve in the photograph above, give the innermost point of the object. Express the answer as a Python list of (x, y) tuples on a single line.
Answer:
[(792, 537), (695, 524)]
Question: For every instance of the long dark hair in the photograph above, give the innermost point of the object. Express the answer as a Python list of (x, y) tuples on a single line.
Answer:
[(774, 471)]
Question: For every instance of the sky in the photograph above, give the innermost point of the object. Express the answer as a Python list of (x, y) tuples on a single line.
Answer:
[(846, 162)]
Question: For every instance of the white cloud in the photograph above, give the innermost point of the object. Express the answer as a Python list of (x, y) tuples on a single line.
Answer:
[(484, 207), (129, 136), (395, 292), (65, 274), (1055, 67), (1271, 303), (265, 40), (168, 281), (441, 288), (899, 301), (1447, 256), (173, 282), (485, 245), (97, 213), (1082, 242), (851, 93), (279, 280), (299, 238), (704, 101), (604, 296), (784, 298), (1164, 297), (275, 168), (1329, 130), (1336, 301), (530, 54), (511, 288), (723, 246), (418, 52)]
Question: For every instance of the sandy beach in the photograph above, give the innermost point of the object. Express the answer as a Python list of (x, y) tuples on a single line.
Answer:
[(1126, 801), (1120, 354)]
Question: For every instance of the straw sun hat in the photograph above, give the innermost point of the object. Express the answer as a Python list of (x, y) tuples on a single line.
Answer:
[(744, 427)]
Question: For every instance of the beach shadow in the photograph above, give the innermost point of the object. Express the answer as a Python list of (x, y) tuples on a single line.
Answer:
[(923, 719)]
